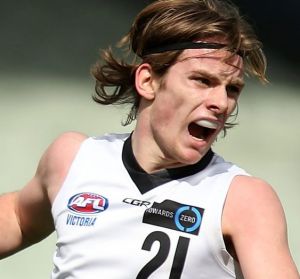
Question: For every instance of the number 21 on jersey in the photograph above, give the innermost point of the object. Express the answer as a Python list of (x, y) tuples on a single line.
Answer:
[(163, 253)]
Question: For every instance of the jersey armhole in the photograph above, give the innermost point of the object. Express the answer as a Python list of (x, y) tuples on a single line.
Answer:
[(59, 195), (217, 241)]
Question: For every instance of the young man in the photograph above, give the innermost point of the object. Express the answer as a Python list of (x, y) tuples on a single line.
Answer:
[(158, 203)]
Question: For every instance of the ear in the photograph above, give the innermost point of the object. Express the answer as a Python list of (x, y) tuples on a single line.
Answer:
[(144, 81)]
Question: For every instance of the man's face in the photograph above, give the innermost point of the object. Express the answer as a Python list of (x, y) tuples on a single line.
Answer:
[(192, 104)]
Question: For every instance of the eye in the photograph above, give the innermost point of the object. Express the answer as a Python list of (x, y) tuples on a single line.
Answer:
[(233, 90), (202, 80), (205, 81)]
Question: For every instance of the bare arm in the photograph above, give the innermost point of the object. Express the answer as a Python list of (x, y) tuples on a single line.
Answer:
[(25, 216), (254, 219), (10, 232)]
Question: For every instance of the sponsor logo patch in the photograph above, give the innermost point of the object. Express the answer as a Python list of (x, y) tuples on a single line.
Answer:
[(136, 202), (87, 203), (173, 215)]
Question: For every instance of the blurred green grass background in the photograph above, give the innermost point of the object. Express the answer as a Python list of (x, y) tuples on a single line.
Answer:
[(46, 49)]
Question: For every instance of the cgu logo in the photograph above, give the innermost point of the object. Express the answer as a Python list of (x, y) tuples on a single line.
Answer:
[(88, 203)]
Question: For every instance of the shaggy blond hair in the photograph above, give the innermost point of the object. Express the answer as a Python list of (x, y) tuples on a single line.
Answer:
[(171, 21)]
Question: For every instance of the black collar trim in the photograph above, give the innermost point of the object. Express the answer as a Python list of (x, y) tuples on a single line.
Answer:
[(146, 182)]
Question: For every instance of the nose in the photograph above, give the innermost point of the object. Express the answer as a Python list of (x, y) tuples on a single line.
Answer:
[(217, 100)]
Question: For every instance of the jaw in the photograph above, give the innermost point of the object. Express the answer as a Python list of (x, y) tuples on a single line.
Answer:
[(198, 141)]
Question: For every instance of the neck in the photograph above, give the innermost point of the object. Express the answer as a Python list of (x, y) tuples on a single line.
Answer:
[(145, 149), (148, 155)]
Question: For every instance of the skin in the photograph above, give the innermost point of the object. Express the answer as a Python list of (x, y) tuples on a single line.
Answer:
[(200, 86), (197, 87)]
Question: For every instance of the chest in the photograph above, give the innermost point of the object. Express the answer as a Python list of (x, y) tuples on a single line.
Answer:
[(161, 232)]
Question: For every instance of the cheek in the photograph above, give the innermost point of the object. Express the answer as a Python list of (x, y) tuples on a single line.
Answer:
[(162, 114), (232, 106), (166, 106)]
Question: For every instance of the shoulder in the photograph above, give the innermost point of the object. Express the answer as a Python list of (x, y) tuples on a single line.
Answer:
[(251, 200), (33, 201), (253, 212), (254, 221), (62, 149), (248, 191), (57, 159), (66, 142)]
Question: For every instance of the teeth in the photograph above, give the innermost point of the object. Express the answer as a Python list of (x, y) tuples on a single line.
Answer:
[(207, 124)]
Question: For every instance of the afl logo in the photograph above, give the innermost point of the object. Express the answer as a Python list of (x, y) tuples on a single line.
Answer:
[(88, 203)]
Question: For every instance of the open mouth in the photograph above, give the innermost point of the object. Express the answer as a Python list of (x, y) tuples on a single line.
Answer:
[(202, 129)]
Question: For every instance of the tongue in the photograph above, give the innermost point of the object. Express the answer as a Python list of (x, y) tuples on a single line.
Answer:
[(196, 131)]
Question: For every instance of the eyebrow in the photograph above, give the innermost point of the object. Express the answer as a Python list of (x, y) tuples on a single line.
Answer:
[(215, 77)]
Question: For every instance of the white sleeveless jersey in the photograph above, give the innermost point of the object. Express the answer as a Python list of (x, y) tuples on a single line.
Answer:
[(108, 228)]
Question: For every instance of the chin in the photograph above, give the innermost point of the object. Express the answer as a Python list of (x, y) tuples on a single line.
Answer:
[(192, 157)]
